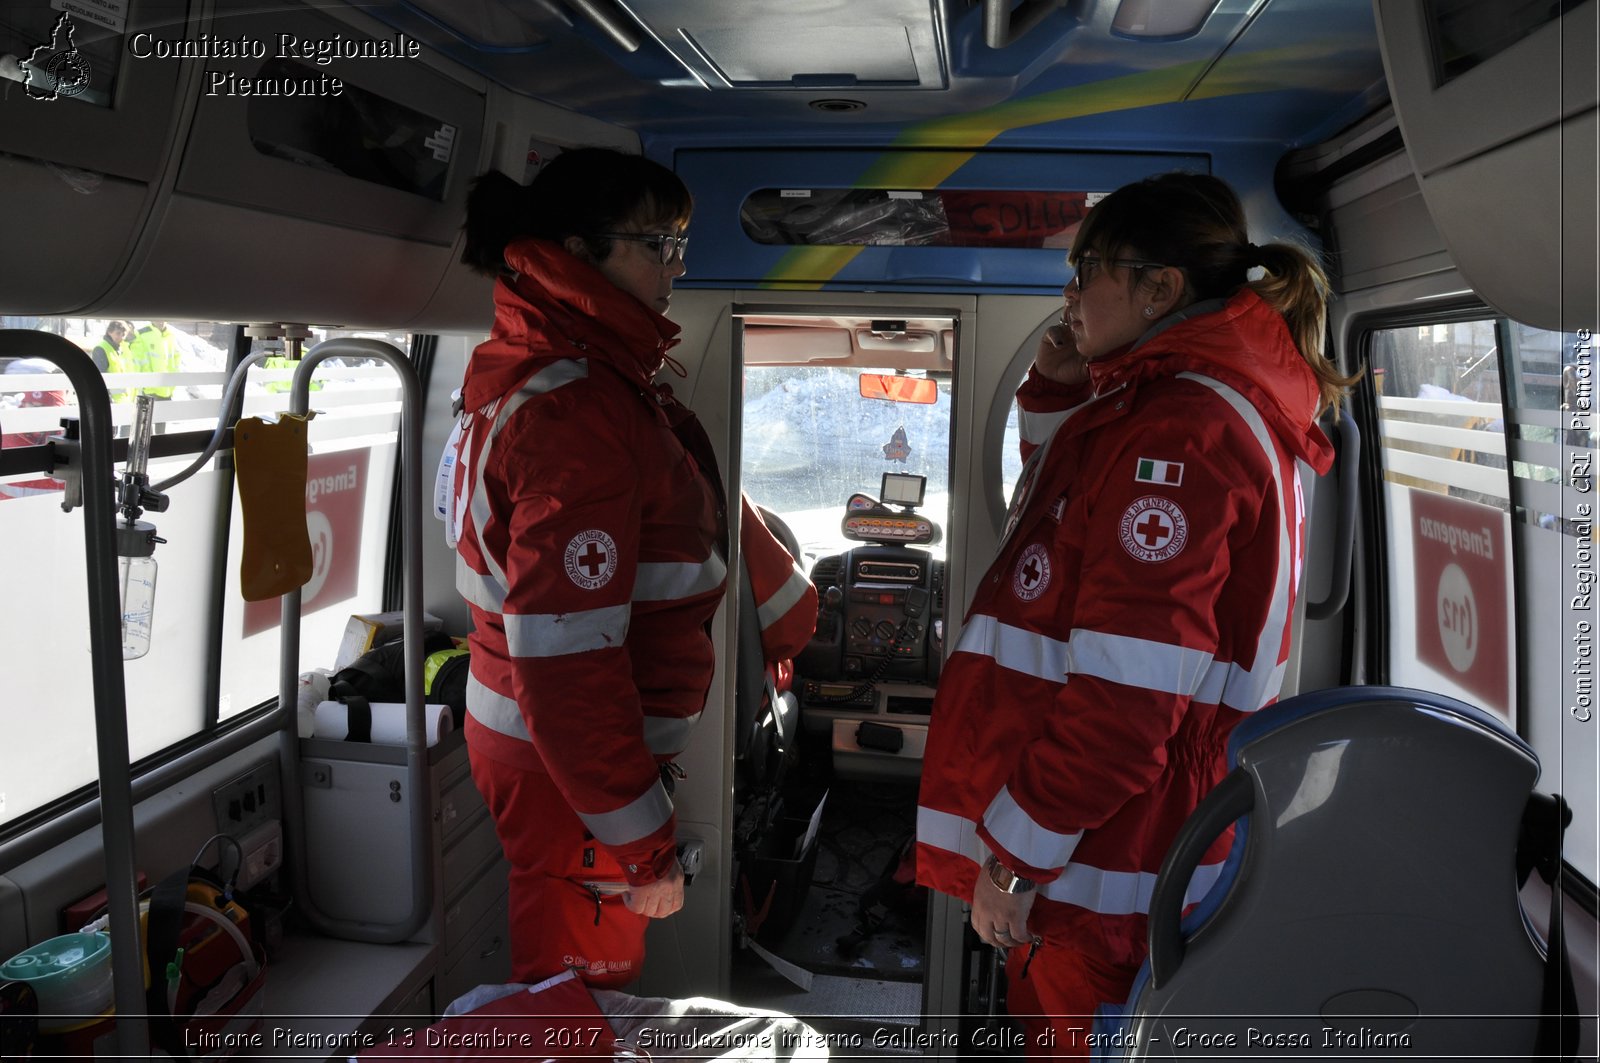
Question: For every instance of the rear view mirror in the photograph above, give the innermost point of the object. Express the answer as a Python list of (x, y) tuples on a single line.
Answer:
[(893, 388)]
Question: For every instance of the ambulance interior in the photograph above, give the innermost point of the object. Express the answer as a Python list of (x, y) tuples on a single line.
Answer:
[(1438, 201)]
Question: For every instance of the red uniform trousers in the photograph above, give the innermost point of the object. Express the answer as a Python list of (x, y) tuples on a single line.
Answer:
[(557, 923), (1055, 1002)]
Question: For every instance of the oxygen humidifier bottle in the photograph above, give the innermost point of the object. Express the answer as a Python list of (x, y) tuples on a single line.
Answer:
[(136, 540), (136, 576)]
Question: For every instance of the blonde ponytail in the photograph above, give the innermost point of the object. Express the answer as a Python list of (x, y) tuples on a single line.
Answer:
[(1296, 286)]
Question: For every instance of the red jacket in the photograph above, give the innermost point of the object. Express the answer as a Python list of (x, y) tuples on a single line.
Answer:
[(590, 551), (1138, 607)]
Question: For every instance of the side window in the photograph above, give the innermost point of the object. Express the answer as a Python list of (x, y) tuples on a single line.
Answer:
[(1011, 454), (50, 749), (1550, 406), (1447, 506), (1487, 445), (173, 691)]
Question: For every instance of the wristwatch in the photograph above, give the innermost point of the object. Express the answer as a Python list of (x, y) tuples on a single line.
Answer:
[(1004, 879)]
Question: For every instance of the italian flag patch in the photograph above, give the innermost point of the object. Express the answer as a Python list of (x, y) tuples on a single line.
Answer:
[(1151, 471)]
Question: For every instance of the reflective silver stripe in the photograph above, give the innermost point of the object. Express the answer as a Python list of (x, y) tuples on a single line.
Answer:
[(478, 589), (1233, 686), (1120, 892), (1106, 892), (1298, 569), (667, 581), (1136, 662), (640, 818), (950, 832), (773, 609), (1248, 690), (1238, 688), (558, 634), (1012, 647), (495, 711), (1022, 836), (1037, 427), (666, 735), (545, 380)]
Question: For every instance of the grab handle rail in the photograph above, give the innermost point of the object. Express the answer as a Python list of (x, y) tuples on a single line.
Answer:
[(421, 813), (93, 452), (1348, 468)]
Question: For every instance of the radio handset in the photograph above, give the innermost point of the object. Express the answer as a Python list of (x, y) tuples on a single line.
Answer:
[(916, 602)]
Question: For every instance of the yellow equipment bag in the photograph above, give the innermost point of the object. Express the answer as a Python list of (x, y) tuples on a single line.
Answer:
[(271, 470)]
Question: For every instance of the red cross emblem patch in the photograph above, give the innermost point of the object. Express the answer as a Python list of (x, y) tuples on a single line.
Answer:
[(1154, 528), (1032, 576), (591, 559)]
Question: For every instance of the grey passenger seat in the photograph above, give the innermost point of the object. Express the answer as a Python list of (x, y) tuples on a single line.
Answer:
[(1368, 906)]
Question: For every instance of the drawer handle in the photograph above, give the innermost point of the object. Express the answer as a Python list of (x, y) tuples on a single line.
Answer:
[(492, 949)]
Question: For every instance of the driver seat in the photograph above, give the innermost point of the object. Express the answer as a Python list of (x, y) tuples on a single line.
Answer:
[(1369, 903), (766, 722)]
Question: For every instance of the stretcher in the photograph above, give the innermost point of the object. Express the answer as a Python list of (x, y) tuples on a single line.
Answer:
[(561, 1018)]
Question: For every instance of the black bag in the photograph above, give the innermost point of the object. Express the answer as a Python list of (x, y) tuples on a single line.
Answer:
[(379, 675)]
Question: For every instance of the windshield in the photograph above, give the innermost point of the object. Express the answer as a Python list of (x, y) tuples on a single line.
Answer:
[(811, 441)]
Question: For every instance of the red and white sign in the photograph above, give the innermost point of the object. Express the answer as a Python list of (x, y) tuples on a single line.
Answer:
[(336, 498), (1460, 569)]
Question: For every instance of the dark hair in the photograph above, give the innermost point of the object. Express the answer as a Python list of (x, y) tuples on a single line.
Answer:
[(118, 323), (578, 193), (1196, 223)]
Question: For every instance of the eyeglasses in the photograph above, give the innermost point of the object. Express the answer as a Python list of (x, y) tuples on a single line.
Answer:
[(1089, 263), (667, 248)]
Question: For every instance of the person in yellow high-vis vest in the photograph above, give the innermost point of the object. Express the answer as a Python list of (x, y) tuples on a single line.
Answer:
[(109, 349), (283, 361), (153, 349)]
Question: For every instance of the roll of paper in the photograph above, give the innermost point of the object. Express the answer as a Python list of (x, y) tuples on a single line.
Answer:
[(388, 726)]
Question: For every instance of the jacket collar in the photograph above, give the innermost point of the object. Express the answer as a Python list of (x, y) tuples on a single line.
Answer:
[(1241, 342), (550, 303)]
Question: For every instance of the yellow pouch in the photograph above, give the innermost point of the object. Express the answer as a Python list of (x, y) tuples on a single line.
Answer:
[(270, 468)]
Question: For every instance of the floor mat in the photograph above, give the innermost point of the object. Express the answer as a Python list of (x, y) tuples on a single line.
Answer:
[(864, 828)]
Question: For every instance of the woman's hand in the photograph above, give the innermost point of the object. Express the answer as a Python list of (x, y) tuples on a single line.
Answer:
[(658, 899), (1001, 919), (1058, 358)]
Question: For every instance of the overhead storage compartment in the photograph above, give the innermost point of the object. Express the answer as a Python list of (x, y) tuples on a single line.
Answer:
[(324, 177), (1491, 97), (78, 158), (121, 122), (379, 142), (260, 162)]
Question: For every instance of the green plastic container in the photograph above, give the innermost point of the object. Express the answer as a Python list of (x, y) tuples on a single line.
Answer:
[(72, 976)]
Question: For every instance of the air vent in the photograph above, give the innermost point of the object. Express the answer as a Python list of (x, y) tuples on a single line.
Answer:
[(825, 573)]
